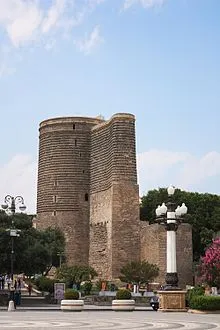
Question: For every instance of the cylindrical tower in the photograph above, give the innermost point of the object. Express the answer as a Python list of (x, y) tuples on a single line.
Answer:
[(63, 181)]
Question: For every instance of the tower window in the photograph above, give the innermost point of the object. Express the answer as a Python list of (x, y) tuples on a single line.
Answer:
[(86, 197), (74, 126), (55, 199), (54, 213), (75, 142)]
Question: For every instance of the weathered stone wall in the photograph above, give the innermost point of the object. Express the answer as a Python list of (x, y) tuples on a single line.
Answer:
[(100, 252), (63, 181), (114, 198), (153, 249)]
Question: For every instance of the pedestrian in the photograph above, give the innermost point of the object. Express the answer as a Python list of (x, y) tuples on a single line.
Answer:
[(3, 282), (29, 289)]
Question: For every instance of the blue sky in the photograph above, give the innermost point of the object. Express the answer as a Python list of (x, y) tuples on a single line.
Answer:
[(157, 59)]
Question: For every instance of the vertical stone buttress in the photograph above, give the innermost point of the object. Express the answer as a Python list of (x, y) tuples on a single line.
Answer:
[(63, 181), (114, 196)]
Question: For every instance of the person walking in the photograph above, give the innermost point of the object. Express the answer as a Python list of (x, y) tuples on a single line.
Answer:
[(29, 289)]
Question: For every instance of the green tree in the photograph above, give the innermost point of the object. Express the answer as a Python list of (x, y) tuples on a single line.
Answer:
[(139, 272), (34, 251), (76, 274), (203, 214)]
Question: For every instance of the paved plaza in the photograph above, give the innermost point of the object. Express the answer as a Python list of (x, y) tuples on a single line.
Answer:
[(107, 320)]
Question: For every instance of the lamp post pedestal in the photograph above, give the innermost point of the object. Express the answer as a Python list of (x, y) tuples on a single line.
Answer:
[(172, 301)]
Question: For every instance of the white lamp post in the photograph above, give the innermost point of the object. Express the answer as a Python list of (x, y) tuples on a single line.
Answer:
[(170, 216)]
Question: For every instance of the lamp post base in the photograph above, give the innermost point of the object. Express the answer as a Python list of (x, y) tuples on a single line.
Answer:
[(171, 282), (172, 301)]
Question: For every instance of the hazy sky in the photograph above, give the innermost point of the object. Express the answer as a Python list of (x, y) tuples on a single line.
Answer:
[(157, 59)]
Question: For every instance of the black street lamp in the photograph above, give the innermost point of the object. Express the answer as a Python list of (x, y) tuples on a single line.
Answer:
[(171, 216), (10, 204)]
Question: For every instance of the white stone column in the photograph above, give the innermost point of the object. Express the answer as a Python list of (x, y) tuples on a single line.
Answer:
[(171, 245)]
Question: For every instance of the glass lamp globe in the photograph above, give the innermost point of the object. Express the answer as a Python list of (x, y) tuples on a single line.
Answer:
[(183, 209), (158, 211), (171, 190), (4, 206), (22, 208), (163, 209), (178, 211)]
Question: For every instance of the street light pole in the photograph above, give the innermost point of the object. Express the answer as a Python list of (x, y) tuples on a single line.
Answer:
[(171, 217), (10, 204)]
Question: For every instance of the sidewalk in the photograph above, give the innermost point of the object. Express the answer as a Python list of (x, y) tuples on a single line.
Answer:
[(57, 308)]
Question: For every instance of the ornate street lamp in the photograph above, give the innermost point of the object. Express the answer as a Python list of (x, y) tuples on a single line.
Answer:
[(171, 216), (10, 204)]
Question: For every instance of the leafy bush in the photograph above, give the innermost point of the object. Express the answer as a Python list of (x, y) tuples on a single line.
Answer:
[(45, 284), (123, 294), (205, 303), (71, 294), (196, 291), (86, 287)]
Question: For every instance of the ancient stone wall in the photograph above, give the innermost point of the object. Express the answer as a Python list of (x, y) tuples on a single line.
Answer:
[(153, 249), (114, 199)]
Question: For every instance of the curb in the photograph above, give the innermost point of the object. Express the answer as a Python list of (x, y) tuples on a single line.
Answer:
[(198, 311)]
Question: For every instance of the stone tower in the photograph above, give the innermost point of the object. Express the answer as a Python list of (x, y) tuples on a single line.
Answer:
[(114, 196), (63, 181), (87, 186)]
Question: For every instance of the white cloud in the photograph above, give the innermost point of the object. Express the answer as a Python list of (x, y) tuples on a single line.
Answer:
[(156, 168), (89, 43), (26, 21), (159, 168), (19, 177), (143, 3)]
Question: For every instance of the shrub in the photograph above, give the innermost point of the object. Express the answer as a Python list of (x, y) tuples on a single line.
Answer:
[(71, 294), (45, 284), (86, 288), (196, 291), (205, 303), (123, 294)]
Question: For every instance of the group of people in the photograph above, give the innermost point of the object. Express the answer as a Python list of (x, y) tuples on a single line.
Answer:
[(6, 282)]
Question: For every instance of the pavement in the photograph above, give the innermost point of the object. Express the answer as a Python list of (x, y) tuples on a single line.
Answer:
[(106, 320)]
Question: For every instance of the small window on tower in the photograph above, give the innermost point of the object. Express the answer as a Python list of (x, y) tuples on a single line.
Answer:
[(54, 213), (75, 142), (74, 126), (86, 197)]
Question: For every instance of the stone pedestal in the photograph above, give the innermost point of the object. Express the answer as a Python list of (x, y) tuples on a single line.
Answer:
[(172, 301)]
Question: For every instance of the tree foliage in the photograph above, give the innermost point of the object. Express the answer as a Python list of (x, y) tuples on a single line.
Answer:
[(139, 272), (76, 274), (210, 264), (203, 214), (34, 251)]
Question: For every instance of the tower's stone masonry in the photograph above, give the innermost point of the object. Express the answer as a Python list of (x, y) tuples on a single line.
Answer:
[(87, 186), (113, 196), (63, 181)]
